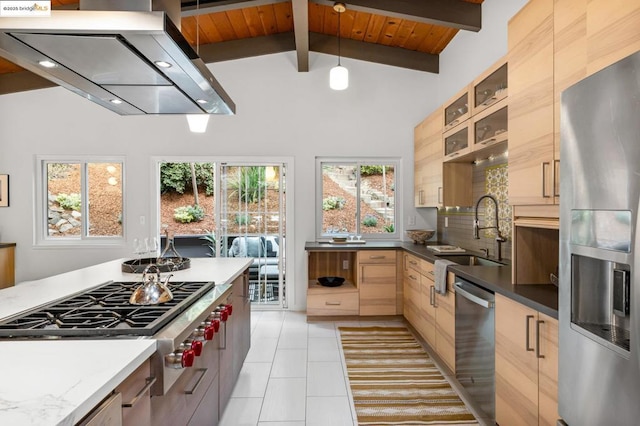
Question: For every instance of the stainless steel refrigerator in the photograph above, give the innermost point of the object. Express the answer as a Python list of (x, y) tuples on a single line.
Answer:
[(599, 297)]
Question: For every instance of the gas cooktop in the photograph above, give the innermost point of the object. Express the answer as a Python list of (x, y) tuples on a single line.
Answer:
[(104, 311)]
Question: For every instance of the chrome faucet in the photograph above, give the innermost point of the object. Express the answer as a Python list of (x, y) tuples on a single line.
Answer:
[(476, 224)]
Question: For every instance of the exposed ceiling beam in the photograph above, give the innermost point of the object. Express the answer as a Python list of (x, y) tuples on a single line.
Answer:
[(371, 52), (247, 47), (301, 31), (448, 13), (191, 8), (22, 81)]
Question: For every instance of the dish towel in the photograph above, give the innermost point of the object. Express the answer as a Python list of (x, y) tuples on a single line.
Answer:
[(440, 274)]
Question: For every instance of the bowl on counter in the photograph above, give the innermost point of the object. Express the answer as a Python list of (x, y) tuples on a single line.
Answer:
[(331, 281), (419, 236)]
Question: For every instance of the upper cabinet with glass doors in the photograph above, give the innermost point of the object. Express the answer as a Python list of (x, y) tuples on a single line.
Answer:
[(456, 110), (490, 87)]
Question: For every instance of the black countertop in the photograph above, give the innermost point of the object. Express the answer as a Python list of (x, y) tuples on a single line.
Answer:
[(541, 297), (5, 245)]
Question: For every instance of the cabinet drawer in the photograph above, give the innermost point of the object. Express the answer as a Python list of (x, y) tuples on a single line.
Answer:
[(377, 256), (333, 303), (411, 262), (426, 269)]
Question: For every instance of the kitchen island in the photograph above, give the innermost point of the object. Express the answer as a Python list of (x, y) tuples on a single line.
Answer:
[(59, 381)]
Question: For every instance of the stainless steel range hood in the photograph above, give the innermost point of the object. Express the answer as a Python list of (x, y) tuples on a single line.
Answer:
[(131, 62)]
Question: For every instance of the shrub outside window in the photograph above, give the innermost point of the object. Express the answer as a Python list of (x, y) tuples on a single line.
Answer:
[(357, 197), (82, 200)]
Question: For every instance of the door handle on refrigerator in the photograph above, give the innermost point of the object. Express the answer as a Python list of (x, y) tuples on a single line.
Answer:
[(538, 339), (527, 342)]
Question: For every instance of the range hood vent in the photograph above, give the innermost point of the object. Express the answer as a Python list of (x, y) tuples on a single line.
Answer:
[(131, 62)]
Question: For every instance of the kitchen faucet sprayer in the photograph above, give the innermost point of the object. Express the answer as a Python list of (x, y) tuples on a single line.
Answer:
[(476, 224)]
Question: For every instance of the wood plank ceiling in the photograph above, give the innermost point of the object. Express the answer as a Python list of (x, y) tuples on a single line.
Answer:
[(404, 33)]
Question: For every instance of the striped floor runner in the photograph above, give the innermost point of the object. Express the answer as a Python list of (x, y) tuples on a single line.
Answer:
[(394, 382)]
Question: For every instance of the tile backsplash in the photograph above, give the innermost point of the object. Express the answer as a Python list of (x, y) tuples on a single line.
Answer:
[(489, 177)]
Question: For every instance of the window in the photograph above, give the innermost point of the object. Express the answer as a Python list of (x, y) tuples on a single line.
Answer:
[(81, 200), (357, 197)]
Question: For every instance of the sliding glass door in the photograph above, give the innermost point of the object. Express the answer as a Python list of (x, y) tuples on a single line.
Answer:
[(229, 210)]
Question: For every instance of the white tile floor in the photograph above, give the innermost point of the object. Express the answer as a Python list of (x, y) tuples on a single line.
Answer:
[(293, 375)]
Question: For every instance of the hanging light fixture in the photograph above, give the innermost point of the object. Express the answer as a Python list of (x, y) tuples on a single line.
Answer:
[(339, 75), (198, 122)]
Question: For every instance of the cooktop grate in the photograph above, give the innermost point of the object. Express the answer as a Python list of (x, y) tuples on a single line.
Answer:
[(103, 312)]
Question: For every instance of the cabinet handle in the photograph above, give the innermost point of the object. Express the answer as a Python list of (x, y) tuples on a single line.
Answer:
[(487, 141), (489, 101), (431, 273), (197, 383), (420, 194), (149, 381), (333, 303), (538, 339), (377, 257), (413, 278), (545, 164), (556, 177), (527, 342), (453, 154), (453, 122), (413, 262), (432, 296), (440, 195)]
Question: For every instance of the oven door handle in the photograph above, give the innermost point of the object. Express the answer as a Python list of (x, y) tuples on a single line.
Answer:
[(472, 297)]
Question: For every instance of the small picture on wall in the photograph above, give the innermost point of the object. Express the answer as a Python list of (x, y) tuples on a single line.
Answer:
[(4, 190)]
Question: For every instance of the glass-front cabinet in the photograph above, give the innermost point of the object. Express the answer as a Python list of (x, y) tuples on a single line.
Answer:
[(490, 87), (490, 126), (457, 142), (456, 111)]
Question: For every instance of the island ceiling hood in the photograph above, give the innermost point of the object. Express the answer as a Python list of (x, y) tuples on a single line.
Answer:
[(129, 61)]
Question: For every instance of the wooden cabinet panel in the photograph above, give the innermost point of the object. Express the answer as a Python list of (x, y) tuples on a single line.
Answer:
[(328, 301), (613, 32), (457, 186), (427, 166), (377, 289), (208, 411), (526, 374), (180, 402), (531, 119), (516, 366), (242, 323), (548, 371), (427, 319), (376, 256), (446, 328), (7, 267), (136, 409)]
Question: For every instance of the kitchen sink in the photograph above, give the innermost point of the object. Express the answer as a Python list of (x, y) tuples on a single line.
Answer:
[(468, 259)]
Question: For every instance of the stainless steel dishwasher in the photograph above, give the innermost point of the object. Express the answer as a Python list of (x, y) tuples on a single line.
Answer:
[(475, 344)]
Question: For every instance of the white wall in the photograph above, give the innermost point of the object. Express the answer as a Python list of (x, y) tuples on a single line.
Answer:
[(280, 112)]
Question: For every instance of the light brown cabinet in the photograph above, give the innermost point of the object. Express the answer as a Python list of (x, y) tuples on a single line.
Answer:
[(526, 365), (377, 282), (332, 301), (7, 265), (427, 168), (430, 313), (533, 163), (136, 399)]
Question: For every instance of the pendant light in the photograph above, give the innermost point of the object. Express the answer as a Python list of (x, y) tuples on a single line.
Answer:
[(339, 75), (198, 122)]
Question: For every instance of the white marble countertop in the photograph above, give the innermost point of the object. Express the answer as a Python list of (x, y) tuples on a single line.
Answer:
[(57, 382)]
